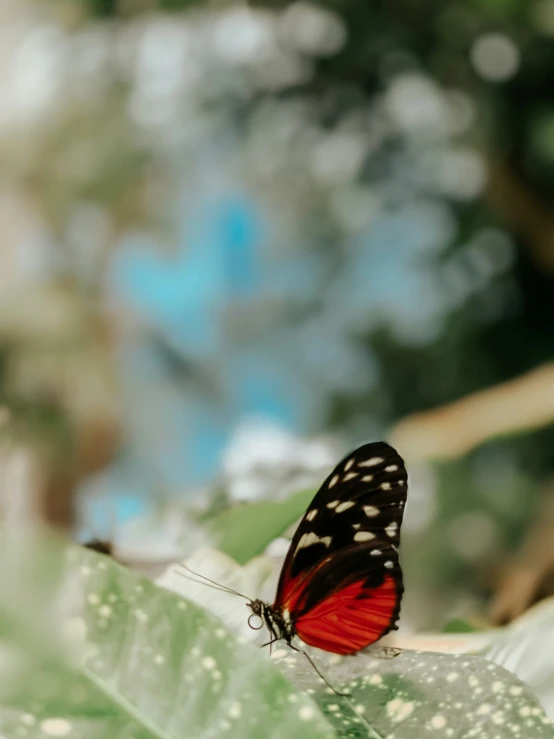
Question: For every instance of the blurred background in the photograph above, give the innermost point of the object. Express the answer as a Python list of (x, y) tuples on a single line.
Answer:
[(237, 239)]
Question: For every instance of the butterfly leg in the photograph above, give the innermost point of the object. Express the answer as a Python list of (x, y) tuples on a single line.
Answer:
[(382, 652), (321, 675)]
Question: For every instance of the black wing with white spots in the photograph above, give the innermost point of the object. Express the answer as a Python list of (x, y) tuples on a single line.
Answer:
[(347, 542)]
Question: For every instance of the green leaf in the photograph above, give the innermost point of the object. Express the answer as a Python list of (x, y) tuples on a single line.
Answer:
[(142, 663), (420, 695), (459, 626), (244, 531)]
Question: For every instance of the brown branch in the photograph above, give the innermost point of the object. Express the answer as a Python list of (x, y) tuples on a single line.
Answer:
[(518, 405), (523, 211)]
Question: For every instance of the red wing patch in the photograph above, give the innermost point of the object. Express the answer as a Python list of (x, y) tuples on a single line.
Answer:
[(352, 618)]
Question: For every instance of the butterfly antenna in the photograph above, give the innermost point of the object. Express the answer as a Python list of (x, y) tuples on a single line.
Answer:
[(213, 583), (321, 675)]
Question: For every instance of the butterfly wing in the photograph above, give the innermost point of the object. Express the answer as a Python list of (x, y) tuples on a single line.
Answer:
[(351, 600), (341, 582)]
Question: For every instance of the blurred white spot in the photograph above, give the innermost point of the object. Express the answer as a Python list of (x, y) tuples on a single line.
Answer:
[(438, 722), (312, 30), (306, 713), (235, 710), (338, 157), (93, 599), (399, 709), (415, 102), (461, 173), (278, 547), (495, 57), (35, 73), (208, 663), (485, 708), (28, 718), (243, 35), (105, 611), (55, 727), (159, 659)]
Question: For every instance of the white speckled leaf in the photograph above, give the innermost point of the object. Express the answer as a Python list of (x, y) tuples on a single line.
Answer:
[(141, 663), (420, 695), (406, 697), (526, 647)]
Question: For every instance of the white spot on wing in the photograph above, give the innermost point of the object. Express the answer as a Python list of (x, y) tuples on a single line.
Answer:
[(344, 506), (356, 525), (391, 529), (363, 536), (375, 552), (385, 486), (371, 511), (371, 462), (348, 465), (333, 504), (367, 478), (391, 468), (389, 565), (350, 476), (333, 481), (308, 539), (311, 514)]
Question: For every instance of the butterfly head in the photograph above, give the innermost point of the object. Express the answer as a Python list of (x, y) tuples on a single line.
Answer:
[(258, 608), (277, 622)]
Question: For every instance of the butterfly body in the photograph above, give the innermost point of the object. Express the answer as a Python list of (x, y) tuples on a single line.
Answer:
[(279, 623), (341, 583)]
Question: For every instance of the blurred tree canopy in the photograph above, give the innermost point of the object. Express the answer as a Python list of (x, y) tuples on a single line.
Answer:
[(514, 127)]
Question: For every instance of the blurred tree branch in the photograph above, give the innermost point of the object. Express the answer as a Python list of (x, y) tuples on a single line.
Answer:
[(521, 404), (523, 210), (529, 576)]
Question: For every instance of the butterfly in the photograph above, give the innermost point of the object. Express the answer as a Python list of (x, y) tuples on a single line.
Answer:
[(341, 585)]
